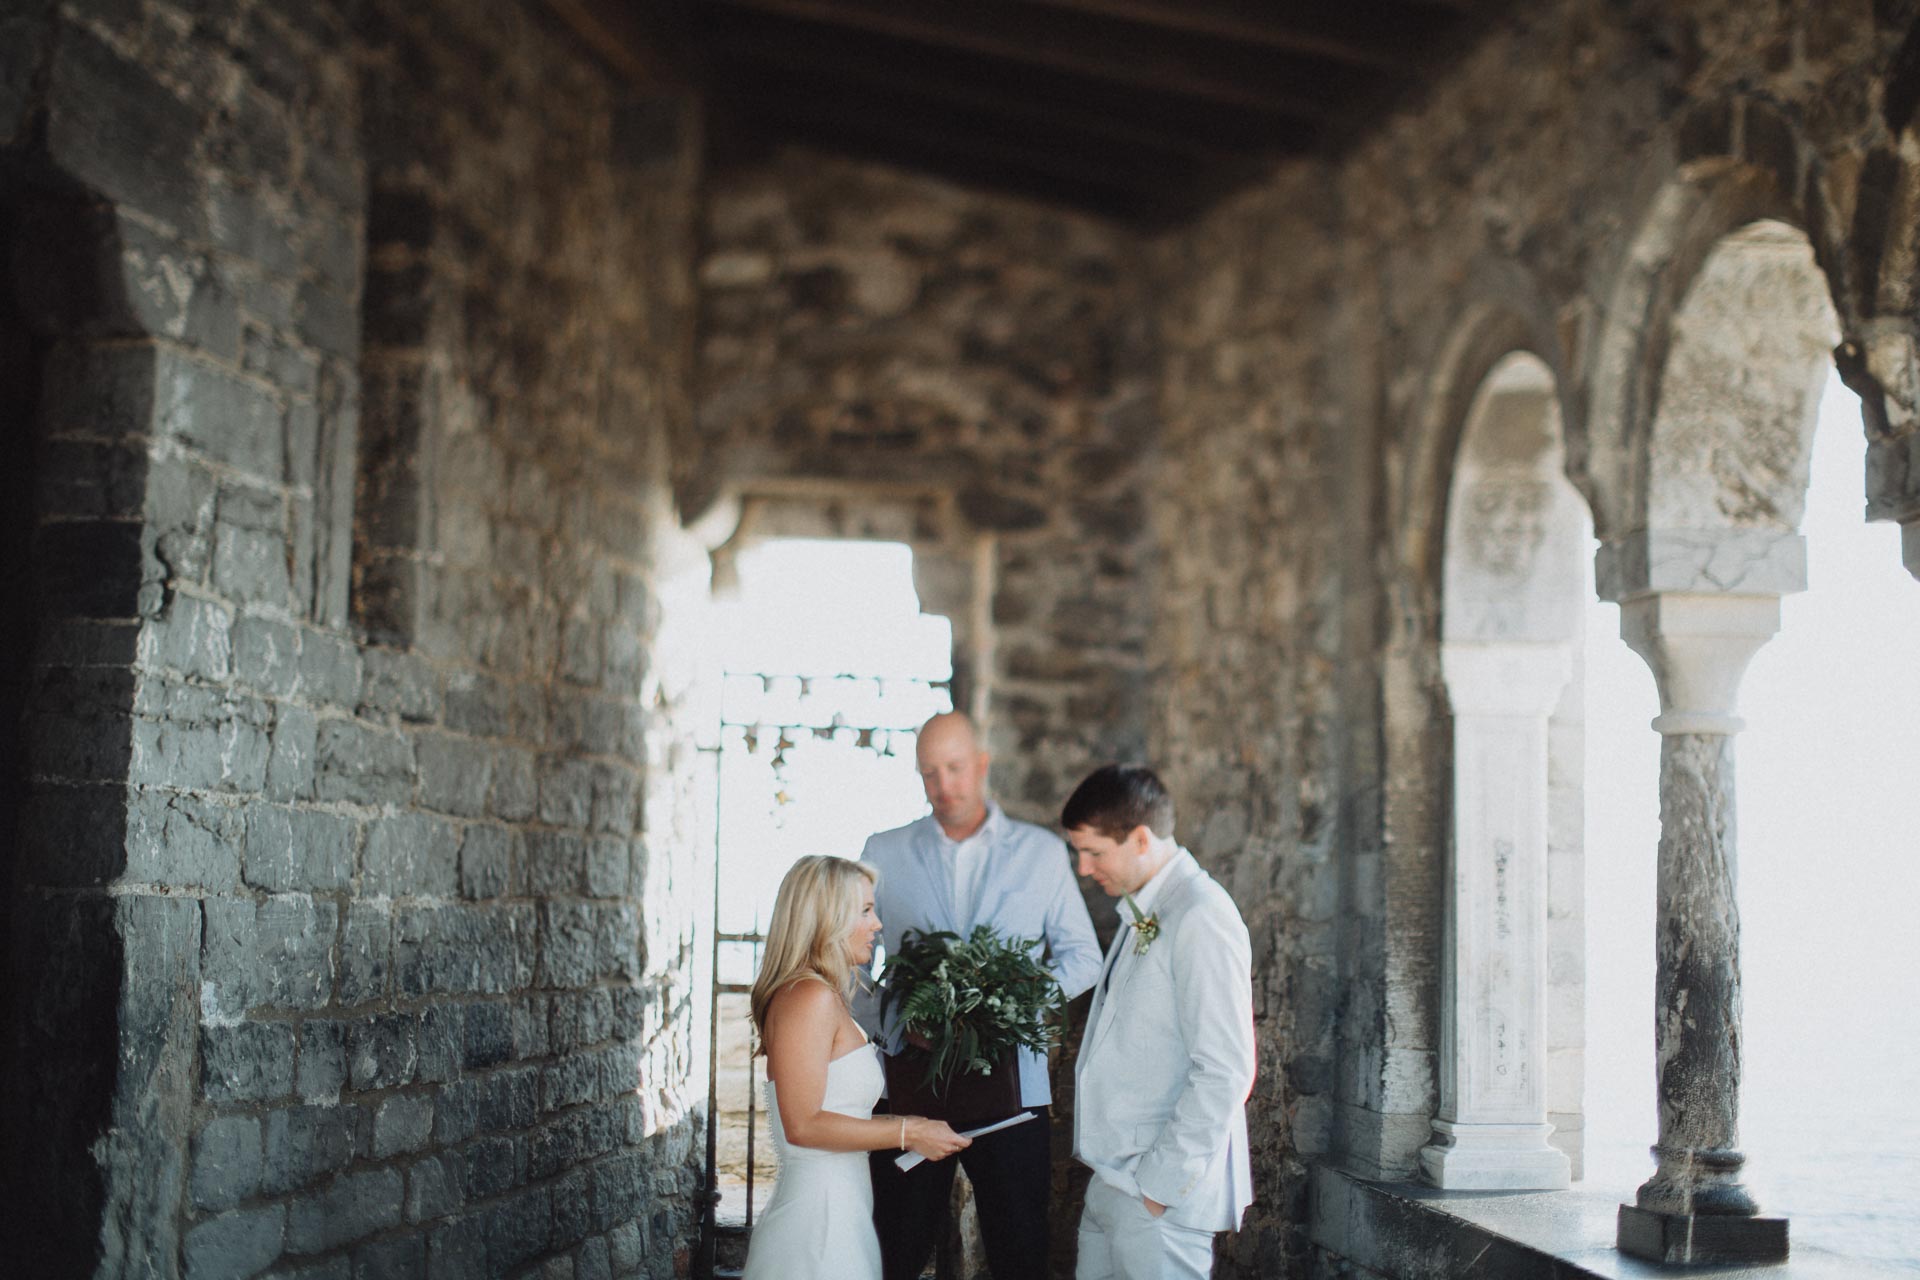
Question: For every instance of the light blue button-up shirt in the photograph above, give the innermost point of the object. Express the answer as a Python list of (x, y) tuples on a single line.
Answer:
[(1024, 887)]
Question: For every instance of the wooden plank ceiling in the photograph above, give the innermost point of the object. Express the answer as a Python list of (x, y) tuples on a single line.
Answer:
[(1141, 110)]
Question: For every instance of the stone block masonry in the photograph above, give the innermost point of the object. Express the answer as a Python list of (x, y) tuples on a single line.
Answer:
[(1308, 329), (867, 333), (333, 839), (351, 827)]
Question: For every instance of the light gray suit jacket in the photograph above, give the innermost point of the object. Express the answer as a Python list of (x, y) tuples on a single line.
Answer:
[(1164, 1072), (1026, 890)]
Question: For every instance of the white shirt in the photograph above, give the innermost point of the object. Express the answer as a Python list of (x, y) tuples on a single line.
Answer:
[(1023, 885), (966, 857)]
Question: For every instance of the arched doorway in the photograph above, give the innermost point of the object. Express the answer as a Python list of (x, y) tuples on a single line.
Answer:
[(1512, 581), (1709, 545)]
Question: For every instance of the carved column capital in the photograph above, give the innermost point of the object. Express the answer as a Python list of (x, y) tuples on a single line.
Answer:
[(1504, 678), (1723, 561), (1698, 646)]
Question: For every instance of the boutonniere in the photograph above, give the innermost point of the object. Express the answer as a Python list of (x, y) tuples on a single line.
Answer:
[(1145, 928)]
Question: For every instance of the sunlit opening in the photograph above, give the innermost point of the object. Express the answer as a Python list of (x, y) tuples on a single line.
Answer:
[(826, 669)]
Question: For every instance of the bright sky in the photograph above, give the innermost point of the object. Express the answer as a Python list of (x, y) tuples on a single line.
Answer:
[(1829, 853), (819, 609)]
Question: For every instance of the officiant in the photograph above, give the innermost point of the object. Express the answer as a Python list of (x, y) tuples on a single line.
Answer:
[(966, 864)]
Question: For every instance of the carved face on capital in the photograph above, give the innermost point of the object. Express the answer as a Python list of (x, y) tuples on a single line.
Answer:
[(1506, 524)]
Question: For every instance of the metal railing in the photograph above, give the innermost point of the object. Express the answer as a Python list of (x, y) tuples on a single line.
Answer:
[(803, 709)]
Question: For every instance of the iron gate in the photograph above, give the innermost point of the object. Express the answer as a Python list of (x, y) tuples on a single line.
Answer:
[(803, 764)]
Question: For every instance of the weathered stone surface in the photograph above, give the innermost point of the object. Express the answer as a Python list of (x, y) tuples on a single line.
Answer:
[(307, 1143), (1194, 454), (412, 854), (227, 1162), (299, 849), (349, 1208), (363, 765), (242, 1243), (182, 841), (117, 129), (322, 1071), (248, 1062), (206, 484)]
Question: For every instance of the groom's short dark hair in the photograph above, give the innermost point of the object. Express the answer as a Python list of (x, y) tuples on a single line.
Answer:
[(1116, 798)]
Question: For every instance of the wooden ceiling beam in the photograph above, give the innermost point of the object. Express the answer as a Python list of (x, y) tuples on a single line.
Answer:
[(639, 49), (1379, 41), (1061, 154), (753, 47), (1191, 67), (885, 83), (999, 173)]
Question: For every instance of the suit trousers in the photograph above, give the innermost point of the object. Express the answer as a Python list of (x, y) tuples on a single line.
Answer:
[(1011, 1172), (1120, 1240)]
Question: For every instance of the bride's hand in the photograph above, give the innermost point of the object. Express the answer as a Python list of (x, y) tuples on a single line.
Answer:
[(934, 1139)]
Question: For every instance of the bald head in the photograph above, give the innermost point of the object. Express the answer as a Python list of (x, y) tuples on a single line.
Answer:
[(953, 769), (949, 728)]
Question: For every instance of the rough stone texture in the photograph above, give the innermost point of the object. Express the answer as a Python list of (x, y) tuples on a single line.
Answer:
[(1321, 334), (351, 827), (331, 300), (1697, 996), (883, 355), (865, 334)]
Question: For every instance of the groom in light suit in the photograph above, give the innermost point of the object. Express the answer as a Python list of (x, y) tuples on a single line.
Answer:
[(965, 864), (1167, 1063)]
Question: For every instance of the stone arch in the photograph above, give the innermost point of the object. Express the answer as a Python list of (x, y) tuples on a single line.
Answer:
[(1509, 317), (1709, 411), (1506, 317), (1685, 222), (1880, 358), (1489, 333), (1515, 530), (1715, 464)]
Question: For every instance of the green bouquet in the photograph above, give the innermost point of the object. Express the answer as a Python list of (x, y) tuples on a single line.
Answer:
[(973, 1001)]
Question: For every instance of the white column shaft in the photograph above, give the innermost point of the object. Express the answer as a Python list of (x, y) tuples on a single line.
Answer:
[(1492, 1129)]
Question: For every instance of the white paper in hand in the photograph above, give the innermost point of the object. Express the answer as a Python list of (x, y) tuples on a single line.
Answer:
[(913, 1158)]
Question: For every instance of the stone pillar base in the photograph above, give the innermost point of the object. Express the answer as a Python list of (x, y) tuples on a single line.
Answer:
[(1495, 1157), (1700, 1239)]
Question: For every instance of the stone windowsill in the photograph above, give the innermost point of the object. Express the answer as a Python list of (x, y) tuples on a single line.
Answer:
[(1413, 1232)]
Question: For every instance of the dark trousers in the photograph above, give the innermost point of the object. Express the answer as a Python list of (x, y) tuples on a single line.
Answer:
[(1011, 1172)]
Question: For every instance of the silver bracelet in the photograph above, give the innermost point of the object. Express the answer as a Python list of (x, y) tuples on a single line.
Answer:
[(903, 1133)]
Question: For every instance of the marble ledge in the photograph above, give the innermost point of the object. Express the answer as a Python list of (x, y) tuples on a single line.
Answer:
[(1410, 1231)]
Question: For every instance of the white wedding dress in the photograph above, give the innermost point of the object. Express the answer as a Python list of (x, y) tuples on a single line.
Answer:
[(819, 1224)]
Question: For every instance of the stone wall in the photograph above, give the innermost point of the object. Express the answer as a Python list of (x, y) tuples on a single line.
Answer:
[(972, 374), (354, 884), (866, 334), (355, 933), (1321, 334)]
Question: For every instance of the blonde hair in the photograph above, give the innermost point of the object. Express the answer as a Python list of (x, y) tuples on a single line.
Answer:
[(813, 917)]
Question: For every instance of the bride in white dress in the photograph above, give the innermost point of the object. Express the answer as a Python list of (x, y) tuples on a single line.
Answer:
[(823, 1078)]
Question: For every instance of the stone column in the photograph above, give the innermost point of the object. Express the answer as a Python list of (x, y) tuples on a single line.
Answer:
[(1492, 1131), (1694, 1208)]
